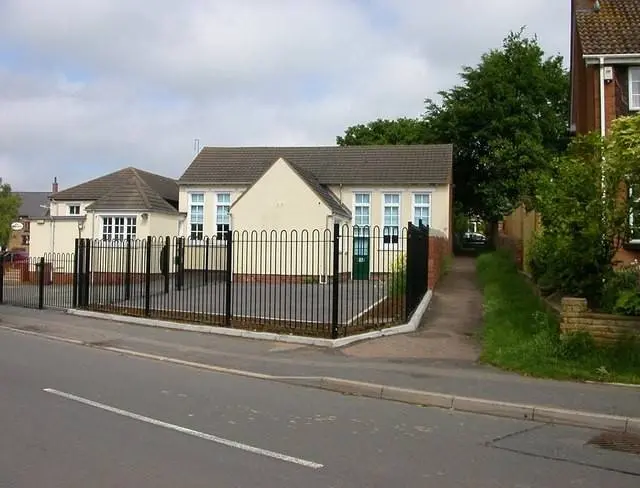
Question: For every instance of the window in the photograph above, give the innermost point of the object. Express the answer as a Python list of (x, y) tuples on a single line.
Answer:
[(25, 239), (391, 218), (634, 88), (634, 215), (362, 214), (74, 209), (223, 204), (196, 216), (421, 209), (118, 228)]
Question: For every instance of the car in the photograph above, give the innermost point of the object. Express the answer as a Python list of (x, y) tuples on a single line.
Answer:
[(474, 239), (15, 256)]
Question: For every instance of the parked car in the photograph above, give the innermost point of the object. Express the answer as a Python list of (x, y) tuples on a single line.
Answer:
[(474, 239), (14, 257)]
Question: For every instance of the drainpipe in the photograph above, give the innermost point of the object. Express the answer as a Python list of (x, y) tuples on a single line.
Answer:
[(603, 122)]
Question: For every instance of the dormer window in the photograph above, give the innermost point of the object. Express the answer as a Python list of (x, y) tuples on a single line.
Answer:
[(74, 209), (634, 88)]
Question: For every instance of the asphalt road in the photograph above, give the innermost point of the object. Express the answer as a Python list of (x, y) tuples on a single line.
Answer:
[(72, 416)]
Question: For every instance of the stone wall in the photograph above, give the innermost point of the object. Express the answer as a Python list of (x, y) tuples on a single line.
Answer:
[(604, 328)]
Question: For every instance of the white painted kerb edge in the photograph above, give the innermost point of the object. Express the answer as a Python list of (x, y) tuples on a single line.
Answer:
[(410, 326)]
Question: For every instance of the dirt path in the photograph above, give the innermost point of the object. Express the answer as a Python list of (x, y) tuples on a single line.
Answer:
[(447, 330)]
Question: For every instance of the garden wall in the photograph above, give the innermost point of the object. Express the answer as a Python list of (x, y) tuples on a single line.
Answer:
[(439, 249), (604, 328)]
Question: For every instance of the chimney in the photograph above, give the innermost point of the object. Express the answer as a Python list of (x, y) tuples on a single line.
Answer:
[(54, 185)]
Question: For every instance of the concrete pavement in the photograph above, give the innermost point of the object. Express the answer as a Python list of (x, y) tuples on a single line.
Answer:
[(113, 427)]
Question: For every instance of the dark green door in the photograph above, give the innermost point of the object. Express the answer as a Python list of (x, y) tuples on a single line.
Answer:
[(361, 258)]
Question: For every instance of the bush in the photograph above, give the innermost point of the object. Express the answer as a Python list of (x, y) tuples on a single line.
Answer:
[(398, 282)]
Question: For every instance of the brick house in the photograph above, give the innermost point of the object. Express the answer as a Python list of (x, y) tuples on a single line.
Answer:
[(605, 73)]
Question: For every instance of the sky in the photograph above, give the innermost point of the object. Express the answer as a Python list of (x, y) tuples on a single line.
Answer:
[(87, 88)]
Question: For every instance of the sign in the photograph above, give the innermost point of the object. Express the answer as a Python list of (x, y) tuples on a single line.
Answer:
[(17, 226)]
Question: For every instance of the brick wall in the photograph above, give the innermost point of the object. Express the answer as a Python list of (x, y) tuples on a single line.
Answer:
[(604, 328), (439, 249)]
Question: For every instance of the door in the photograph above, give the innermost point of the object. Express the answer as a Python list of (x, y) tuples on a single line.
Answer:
[(361, 257)]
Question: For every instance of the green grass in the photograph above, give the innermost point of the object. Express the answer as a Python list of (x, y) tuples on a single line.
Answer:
[(520, 335)]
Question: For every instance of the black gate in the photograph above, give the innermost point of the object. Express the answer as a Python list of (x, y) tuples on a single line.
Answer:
[(417, 266)]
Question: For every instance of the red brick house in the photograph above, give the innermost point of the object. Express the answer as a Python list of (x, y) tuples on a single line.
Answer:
[(605, 72)]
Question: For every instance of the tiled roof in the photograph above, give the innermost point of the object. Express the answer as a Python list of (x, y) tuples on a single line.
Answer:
[(322, 191), (126, 189), (30, 203), (330, 165), (614, 29)]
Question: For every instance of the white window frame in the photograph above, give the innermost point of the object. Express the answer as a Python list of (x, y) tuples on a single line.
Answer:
[(365, 205), (128, 222), (190, 203), (391, 244), (221, 234), (634, 76), (73, 205), (415, 205), (631, 239)]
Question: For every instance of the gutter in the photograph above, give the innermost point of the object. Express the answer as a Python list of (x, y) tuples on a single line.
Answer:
[(626, 58)]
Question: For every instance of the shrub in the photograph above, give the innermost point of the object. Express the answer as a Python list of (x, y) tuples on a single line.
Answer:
[(398, 281), (623, 281)]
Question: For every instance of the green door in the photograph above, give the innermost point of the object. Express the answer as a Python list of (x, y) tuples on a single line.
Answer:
[(361, 258)]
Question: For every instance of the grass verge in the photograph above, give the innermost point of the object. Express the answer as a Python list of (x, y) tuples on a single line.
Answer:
[(521, 335)]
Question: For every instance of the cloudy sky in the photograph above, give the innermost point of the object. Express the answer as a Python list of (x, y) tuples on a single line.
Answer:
[(88, 87)]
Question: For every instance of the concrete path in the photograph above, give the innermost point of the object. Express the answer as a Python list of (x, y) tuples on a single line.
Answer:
[(77, 417), (448, 331)]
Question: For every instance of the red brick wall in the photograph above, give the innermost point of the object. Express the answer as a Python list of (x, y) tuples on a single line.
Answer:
[(439, 249)]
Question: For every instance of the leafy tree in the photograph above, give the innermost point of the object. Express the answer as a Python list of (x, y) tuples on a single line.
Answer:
[(9, 207), (585, 212), (506, 120), (385, 132)]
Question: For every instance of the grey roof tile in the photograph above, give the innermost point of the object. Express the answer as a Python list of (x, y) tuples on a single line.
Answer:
[(331, 165), (30, 203)]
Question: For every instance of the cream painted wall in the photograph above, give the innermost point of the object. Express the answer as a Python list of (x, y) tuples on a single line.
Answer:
[(163, 225)]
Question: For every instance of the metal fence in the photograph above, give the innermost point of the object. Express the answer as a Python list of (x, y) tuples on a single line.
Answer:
[(38, 282), (326, 283)]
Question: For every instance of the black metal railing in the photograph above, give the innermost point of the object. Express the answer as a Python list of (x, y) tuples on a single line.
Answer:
[(38, 282), (325, 283)]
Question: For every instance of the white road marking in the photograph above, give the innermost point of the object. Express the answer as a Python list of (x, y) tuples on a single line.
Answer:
[(184, 430)]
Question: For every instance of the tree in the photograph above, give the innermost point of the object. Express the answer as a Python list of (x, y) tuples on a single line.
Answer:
[(583, 204), (386, 132), (9, 207), (506, 120)]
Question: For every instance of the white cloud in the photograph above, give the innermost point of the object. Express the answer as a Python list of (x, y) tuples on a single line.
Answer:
[(89, 87)]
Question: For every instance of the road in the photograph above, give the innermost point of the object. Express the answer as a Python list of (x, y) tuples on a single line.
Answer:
[(74, 416)]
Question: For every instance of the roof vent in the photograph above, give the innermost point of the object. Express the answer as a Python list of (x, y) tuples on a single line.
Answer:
[(596, 6)]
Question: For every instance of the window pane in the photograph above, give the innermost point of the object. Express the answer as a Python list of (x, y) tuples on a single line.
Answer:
[(421, 199), (363, 198), (197, 198), (392, 199), (224, 198)]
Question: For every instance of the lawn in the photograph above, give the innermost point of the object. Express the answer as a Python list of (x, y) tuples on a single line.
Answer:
[(520, 335)]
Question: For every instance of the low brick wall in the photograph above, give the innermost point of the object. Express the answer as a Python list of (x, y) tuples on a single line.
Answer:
[(604, 328), (439, 249)]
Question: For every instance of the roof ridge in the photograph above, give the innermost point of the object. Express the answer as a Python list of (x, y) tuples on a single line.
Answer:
[(139, 182)]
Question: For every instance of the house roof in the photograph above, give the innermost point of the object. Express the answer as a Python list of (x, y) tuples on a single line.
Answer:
[(330, 165), (126, 189), (326, 195), (614, 29), (30, 203)]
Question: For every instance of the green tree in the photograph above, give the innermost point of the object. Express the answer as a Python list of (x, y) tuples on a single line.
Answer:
[(507, 120), (9, 207), (385, 132)]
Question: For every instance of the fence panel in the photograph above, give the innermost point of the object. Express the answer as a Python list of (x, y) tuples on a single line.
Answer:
[(323, 282)]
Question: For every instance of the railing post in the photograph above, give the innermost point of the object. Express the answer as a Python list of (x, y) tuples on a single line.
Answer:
[(41, 283), (409, 272), (127, 272), (427, 257), (87, 270), (206, 260), (228, 278), (167, 263), (76, 256), (1, 277), (147, 278), (179, 261), (335, 291)]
